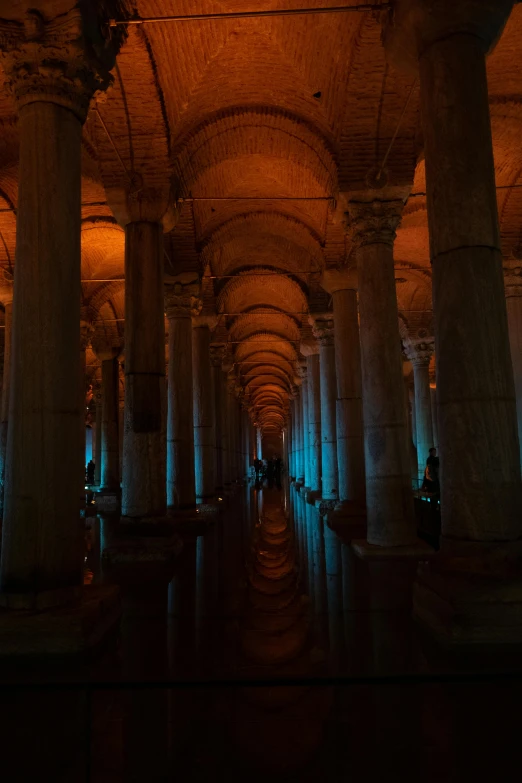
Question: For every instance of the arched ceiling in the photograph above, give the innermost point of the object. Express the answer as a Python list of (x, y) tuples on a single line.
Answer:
[(258, 126)]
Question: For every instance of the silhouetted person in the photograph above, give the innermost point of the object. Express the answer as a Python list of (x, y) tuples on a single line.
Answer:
[(270, 472), (431, 473), (278, 466), (90, 472)]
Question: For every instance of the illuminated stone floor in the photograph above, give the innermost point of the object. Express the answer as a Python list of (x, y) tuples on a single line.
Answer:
[(372, 699)]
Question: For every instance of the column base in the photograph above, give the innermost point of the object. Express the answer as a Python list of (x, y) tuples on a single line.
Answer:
[(62, 631), (471, 593), (108, 501), (209, 508), (348, 520), (324, 506), (189, 522), (142, 550), (419, 550)]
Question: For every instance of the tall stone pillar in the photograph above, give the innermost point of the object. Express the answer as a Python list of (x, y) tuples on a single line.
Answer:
[(86, 331), (6, 386), (144, 437), (109, 496), (420, 354), (204, 430), (310, 349), (299, 439), (389, 499), (98, 447), (513, 285), (323, 326), (52, 68), (181, 304), (303, 374), (217, 354), (350, 436), (481, 491), (481, 488)]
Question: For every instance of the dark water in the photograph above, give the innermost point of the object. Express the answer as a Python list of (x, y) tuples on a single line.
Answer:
[(273, 654)]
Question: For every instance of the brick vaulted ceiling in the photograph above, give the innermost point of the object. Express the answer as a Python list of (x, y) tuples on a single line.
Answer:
[(253, 130)]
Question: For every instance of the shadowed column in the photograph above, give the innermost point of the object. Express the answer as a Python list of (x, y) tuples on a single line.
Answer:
[(323, 326), (204, 432), (389, 499), (6, 385), (181, 304), (144, 436), (52, 80)]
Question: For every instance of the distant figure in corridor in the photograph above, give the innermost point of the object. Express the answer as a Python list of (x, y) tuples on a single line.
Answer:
[(278, 466), (270, 472), (89, 473), (431, 473)]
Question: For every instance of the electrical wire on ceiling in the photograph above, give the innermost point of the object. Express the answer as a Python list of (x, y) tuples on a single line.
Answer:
[(336, 9)]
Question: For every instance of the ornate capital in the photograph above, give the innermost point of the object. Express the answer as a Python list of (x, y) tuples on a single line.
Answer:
[(373, 222), (513, 279), (302, 371), (412, 26), (64, 60), (218, 351), (323, 329), (86, 333), (182, 300), (106, 347), (200, 321), (309, 347), (419, 352)]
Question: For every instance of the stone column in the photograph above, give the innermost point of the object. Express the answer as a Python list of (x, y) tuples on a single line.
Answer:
[(323, 331), (98, 447), (6, 385), (303, 374), (109, 497), (311, 351), (110, 467), (389, 499), (52, 68), (420, 354), (479, 451), (481, 491), (181, 304), (204, 431), (350, 436), (86, 331), (299, 479), (217, 354), (144, 436), (513, 285)]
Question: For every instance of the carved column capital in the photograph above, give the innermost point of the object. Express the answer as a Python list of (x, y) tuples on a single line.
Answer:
[(218, 351), (106, 347), (412, 26), (323, 328), (63, 60), (302, 371), (309, 347), (182, 300), (513, 279), (373, 222), (419, 352), (201, 321), (86, 333)]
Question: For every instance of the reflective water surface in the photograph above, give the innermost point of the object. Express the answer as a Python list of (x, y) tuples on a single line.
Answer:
[(273, 652)]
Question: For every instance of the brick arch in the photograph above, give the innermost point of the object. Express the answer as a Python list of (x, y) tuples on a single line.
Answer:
[(279, 135)]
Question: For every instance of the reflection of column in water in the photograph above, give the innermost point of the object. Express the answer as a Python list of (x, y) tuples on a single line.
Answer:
[(182, 606), (144, 655), (332, 550), (321, 604), (310, 521)]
